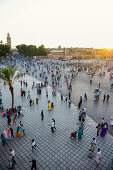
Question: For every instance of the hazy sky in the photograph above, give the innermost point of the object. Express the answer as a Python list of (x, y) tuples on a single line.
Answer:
[(76, 23)]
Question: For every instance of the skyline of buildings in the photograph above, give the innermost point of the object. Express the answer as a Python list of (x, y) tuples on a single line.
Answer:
[(73, 52)]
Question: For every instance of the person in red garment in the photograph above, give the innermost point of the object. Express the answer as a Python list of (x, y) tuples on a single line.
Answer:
[(21, 92)]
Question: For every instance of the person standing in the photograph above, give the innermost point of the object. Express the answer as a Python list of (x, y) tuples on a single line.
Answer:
[(28, 95), (9, 134), (42, 114), (14, 121), (104, 130), (30, 102), (26, 83), (21, 83), (3, 139), (80, 133), (46, 93), (12, 134), (98, 156), (9, 120), (18, 131), (5, 134)]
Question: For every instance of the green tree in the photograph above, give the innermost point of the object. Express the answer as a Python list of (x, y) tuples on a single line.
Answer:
[(22, 49), (32, 50), (27, 50), (10, 75), (41, 51), (4, 49)]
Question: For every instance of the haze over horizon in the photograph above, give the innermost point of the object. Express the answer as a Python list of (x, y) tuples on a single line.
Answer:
[(69, 23)]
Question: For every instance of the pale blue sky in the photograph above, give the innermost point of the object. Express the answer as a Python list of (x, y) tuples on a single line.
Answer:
[(77, 23)]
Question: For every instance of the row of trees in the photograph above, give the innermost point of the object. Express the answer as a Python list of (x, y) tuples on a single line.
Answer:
[(4, 49), (32, 50)]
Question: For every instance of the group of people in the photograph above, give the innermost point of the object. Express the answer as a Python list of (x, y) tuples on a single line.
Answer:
[(55, 77), (102, 128), (7, 136)]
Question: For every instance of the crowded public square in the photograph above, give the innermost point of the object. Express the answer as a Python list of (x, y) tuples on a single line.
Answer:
[(62, 116)]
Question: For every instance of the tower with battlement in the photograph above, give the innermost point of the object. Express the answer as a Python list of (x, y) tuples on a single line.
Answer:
[(8, 39)]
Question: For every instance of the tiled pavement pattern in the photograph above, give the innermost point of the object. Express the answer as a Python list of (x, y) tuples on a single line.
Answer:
[(81, 85), (54, 151)]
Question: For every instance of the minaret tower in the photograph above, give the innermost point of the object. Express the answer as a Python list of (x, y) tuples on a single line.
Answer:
[(8, 39)]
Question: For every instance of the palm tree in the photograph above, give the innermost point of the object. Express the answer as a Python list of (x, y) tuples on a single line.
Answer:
[(9, 75)]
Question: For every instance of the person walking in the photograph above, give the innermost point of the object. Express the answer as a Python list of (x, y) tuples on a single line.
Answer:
[(80, 113), (61, 97), (21, 127), (69, 102), (85, 96), (54, 123), (33, 144), (108, 96), (104, 97), (12, 154), (93, 144), (42, 114), (66, 99), (34, 166), (36, 100), (98, 156), (52, 126), (69, 95), (98, 129)]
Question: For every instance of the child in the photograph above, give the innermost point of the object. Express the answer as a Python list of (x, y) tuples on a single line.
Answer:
[(14, 122), (33, 102), (93, 143), (36, 100)]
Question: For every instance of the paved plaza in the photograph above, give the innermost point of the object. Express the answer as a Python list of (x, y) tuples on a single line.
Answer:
[(54, 151), (96, 110)]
